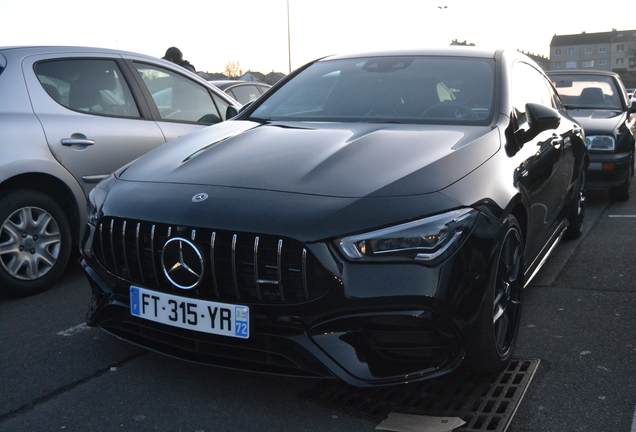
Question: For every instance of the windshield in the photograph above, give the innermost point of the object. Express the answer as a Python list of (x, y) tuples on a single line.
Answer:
[(438, 90), (587, 91)]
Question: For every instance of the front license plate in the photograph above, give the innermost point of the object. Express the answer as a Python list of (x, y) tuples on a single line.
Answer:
[(200, 315)]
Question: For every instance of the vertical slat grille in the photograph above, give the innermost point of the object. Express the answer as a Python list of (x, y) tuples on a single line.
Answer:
[(215, 284), (239, 266)]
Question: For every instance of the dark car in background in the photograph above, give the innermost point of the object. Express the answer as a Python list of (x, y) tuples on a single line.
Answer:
[(374, 218), (243, 91), (598, 101), (69, 117)]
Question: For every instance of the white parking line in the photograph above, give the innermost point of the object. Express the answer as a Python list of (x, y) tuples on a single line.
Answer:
[(74, 330), (622, 216)]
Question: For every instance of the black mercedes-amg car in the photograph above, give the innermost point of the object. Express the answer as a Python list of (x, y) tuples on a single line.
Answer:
[(373, 217)]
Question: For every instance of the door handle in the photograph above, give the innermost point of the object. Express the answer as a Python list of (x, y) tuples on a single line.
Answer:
[(77, 139), (73, 142)]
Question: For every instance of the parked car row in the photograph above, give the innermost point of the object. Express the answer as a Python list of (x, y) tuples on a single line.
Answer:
[(373, 218), (70, 117)]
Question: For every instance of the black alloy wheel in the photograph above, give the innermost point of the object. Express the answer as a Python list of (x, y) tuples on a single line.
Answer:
[(35, 242), (576, 211), (500, 313)]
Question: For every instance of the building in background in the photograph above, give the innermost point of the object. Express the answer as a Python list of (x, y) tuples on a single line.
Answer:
[(610, 51)]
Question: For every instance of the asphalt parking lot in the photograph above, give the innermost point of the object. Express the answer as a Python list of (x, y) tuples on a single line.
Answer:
[(578, 321)]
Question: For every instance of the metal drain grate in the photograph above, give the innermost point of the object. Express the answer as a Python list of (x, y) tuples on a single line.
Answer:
[(486, 402)]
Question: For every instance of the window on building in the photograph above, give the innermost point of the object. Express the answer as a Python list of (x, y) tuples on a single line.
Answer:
[(602, 49), (620, 48), (602, 62), (588, 50), (571, 51), (558, 65), (620, 61), (570, 65), (557, 51), (588, 64)]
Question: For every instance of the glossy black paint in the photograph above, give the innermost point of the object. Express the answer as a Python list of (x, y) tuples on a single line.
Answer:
[(607, 170), (376, 323)]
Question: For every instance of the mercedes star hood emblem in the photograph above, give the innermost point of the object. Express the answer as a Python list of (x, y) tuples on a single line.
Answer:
[(182, 263)]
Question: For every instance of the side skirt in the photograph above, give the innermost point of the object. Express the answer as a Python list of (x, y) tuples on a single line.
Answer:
[(536, 265)]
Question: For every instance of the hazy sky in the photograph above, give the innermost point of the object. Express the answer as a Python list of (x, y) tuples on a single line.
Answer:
[(212, 33)]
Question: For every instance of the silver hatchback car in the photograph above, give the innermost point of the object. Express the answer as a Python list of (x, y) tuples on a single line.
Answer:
[(69, 116)]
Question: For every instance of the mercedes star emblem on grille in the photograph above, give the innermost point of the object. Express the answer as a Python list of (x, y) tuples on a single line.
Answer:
[(200, 197), (182, 263)]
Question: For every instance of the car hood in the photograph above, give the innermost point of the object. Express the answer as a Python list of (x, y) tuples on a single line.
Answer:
[(350, 160), (597, 121)]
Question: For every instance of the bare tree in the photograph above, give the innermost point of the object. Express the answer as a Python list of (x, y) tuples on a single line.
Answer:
[(233, 69)]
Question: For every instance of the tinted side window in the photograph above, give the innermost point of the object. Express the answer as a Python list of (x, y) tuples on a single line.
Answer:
[(91, 86), (528, 86), (177, 97)]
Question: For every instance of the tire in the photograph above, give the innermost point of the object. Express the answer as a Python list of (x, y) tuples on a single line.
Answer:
[(621, 193), (576, 211), (35, 242), (491, 346)]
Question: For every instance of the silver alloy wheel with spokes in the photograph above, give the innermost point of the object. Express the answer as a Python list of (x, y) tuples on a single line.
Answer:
[(30, 243), (507, 299)]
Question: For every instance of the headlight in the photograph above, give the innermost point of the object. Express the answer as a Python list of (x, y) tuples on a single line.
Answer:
[(600, 143), (425, 240)]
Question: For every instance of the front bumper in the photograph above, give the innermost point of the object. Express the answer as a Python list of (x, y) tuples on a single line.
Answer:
[(379, 324), (608, 170)]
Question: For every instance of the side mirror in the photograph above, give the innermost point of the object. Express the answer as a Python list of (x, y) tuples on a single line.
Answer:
[(231, 112), (632, 109), (542, 118)]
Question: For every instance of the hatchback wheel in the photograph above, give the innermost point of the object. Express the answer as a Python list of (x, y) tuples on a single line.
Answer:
[(35, 242), (498, 321)]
